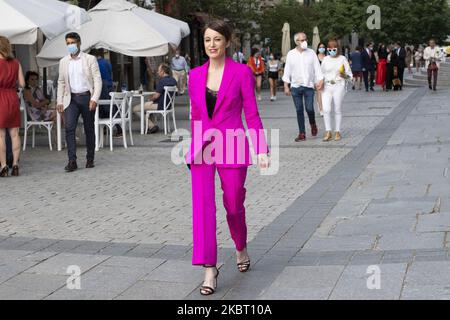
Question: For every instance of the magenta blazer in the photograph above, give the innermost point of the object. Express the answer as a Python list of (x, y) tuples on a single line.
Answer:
[(224, 135)]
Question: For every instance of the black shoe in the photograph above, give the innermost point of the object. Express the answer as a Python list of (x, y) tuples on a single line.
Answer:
[(155, 129), (71, 166), (206, 290), (90, 164), (367, 90), (429, 86), (15, 171), (5, 172), (371, 89)]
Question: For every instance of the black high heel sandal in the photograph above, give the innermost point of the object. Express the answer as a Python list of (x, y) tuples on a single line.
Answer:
[(243, 266), (15, 171), (206, 290), (4, 172)]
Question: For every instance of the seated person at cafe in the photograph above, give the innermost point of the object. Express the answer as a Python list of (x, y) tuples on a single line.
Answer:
[(157, 100), (38, 106)]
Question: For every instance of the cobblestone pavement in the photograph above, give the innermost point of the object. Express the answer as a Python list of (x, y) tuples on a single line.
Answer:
[(376, 197)]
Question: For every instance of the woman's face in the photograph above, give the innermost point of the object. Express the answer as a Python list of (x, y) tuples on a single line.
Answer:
[(215, 44), (33, 81)]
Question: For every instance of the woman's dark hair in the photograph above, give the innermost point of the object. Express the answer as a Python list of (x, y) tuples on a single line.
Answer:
[(254, 51), (358, 48), (221, 27), (321, 44), (28, 75)]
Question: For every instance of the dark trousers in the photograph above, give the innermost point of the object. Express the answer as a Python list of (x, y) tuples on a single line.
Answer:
[(79, 105), (298, 94), (432, 74), (401, 73), (369, 76)]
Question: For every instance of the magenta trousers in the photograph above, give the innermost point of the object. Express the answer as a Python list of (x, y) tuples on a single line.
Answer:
[(204, 210)]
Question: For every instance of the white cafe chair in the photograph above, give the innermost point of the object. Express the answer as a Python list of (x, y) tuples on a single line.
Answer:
[(121, 116), (27, 124), (169, 108)]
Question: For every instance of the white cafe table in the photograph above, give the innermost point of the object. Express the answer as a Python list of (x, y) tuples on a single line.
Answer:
[(142, 96)]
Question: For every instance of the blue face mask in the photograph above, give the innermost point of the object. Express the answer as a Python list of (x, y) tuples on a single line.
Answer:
[(332, 52), (321, 50), (72, 48)]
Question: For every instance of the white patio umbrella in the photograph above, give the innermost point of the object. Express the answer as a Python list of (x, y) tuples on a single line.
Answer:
[(122, 27), (21, 20), (316, 38), (286, 41)]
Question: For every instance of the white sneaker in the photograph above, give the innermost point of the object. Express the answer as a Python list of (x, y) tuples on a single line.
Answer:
[(275, 98), (321, 113), (272, 99), (259, 98)]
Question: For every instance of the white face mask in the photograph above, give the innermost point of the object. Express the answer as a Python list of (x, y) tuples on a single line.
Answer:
[(304, 45)]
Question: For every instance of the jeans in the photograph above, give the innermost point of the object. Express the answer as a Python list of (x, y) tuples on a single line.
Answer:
[(79, 105), (308, 94)]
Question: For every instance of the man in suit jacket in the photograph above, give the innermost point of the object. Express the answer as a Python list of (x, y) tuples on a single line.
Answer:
[(401, 60), (79, 89), (369, 63)]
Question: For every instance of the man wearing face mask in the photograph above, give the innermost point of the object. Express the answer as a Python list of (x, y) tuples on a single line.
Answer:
[(369, 63), (79, 89), (179, 68), (301, 74)]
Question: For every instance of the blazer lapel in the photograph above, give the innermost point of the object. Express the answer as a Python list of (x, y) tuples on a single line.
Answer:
[(203, 75), (227, 78)]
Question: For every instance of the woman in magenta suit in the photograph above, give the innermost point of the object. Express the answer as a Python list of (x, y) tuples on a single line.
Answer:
[(220, 90)]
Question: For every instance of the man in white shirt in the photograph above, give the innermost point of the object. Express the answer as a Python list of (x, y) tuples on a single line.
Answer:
[(79, 89), (302, 74), (433, 56), (238, 56)]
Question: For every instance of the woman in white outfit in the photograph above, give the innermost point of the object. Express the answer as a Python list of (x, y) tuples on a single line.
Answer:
[(336, 70)]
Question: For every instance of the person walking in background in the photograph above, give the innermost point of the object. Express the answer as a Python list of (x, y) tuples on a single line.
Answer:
[(79, 89), (321, 54), (274, 66), (433, 57), (256, 63), (107, 87), (220, 90), (238, 56), (336, 70), (389, 68), (381, 66), (418, 56), (368, 66), (302, 74), (401, 62), (179, 68), (37, 104), (409, 59), (356, 65), (11, 75)]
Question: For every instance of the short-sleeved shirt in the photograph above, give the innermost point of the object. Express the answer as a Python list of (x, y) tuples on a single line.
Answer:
[(166, 81), (106, 71)]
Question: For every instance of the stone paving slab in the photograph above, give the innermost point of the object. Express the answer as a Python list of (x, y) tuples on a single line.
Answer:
[(353, 284), (297, 283)]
